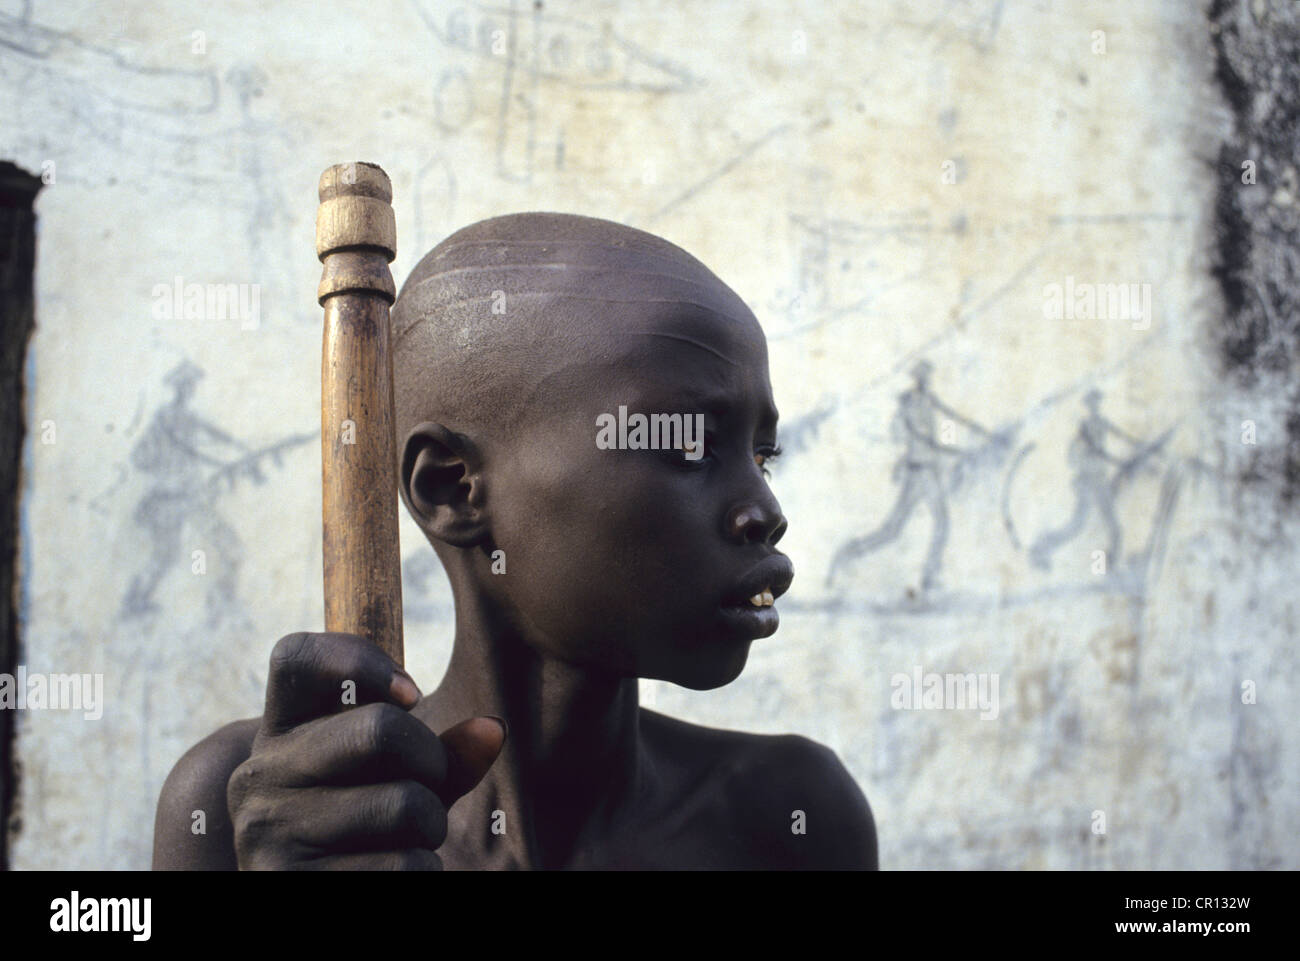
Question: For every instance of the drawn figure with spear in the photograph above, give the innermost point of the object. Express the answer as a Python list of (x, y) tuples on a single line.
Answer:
[(1095, 486), (178, 451), (919, 472)]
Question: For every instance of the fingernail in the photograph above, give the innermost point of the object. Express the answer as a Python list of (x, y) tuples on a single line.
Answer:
[(403, 688), (505, 728)]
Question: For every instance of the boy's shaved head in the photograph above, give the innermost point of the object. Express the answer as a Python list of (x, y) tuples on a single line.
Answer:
[(513, 338), (494, 309)]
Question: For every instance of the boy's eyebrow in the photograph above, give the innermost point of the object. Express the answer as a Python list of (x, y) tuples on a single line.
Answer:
[(719, 404)]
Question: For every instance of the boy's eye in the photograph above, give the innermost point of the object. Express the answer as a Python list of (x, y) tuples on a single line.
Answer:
[(695, 452), (763, 458), (690, 455)]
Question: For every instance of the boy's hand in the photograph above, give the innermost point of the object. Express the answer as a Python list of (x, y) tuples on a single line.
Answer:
[(329, 785)]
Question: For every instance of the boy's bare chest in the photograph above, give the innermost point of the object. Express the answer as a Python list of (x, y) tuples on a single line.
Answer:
[(699, 820)]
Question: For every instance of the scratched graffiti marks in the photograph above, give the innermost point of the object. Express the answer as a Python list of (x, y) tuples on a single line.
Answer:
[(843, 268), (150, 121), (102, 94), (532, 46), (104, 74), (564, 49)]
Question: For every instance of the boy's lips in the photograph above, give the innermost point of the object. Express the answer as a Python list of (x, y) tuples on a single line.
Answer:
[(764, 583), (747, 611)]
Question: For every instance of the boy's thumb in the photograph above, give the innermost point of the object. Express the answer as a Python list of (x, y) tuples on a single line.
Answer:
[(472, 747)]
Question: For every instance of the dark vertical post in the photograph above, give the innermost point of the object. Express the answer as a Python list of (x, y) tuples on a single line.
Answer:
[(17, 318)]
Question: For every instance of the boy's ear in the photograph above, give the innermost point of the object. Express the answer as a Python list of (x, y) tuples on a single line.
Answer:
[(442, 485)]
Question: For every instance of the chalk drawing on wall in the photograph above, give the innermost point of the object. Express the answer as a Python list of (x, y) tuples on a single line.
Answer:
[(189, 463), (1095, 484), (929, 469)]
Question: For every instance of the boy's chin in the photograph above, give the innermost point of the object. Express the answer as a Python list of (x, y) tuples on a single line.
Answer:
[(707, 673)]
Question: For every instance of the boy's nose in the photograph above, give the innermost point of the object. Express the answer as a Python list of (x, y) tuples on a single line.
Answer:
[(756, 523)]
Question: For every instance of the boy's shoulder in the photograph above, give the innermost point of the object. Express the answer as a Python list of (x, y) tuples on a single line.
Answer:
[(192, 826), (778, 800), (784, 794)]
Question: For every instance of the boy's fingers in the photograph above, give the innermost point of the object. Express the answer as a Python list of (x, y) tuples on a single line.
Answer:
[(472, 747), (374, 743), (317, 674), (379, 742), (391, 816), (411, 859)]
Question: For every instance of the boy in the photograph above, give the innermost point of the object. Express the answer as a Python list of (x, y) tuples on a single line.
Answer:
[(577, 566)]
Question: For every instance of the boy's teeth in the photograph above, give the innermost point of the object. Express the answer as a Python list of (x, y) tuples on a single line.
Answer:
[(763, 598)]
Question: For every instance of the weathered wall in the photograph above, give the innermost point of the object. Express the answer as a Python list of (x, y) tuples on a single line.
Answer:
[(886, 184)]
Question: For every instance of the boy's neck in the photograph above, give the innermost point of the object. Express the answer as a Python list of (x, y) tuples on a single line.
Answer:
[(573, 765)]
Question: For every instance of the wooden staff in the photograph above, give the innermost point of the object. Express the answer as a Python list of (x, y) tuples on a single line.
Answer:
[(356, 239)]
